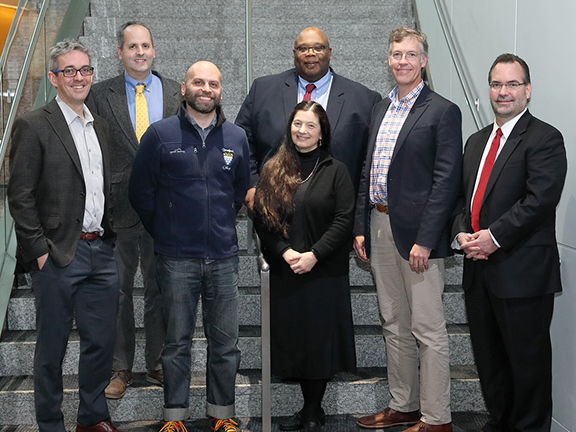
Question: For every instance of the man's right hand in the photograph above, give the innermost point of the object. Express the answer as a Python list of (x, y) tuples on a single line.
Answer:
[(359, 247), (41, 260)]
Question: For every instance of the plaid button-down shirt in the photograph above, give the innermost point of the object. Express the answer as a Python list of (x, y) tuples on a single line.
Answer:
[(386, 141)]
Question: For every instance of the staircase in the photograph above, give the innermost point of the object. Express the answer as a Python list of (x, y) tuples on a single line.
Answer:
[(192, 30)]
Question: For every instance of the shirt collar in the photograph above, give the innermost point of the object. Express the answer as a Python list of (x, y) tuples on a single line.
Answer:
[(324, 81), (133, 83), (508, 126), (410, 97), (196, 125), (70, 115)]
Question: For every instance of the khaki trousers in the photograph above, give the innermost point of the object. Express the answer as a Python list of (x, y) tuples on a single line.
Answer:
[(412, 317)]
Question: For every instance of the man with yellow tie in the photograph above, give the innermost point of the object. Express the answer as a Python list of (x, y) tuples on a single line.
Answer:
[(130, 102)]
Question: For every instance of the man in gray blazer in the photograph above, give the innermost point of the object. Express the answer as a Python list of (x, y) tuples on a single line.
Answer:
[(272, 98), (114, 99), (59, 197)]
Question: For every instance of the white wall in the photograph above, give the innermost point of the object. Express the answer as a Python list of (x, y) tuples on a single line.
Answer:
[(542, 33)]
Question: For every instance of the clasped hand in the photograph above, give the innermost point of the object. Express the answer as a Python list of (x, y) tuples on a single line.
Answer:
[(477, 246), (300, 263)]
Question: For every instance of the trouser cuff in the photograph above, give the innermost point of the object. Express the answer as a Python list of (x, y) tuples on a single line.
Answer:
[(176, 414), (219, 411)]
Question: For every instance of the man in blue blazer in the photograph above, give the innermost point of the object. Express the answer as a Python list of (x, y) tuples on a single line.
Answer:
[(508, 233), (407, 193), (272, 99), (114, 99)]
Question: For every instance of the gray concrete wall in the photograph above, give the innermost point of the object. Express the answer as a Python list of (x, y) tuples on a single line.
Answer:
[(542, 34)]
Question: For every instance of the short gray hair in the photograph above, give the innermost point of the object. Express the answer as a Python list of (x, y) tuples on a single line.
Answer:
[(66, 47), (402, 33)]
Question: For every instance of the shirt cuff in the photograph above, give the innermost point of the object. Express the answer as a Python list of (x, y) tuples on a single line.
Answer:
[(494, 239)]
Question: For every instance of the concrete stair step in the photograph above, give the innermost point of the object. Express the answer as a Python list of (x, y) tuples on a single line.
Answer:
[(461, 422), (363, 392), (17, 349), (22, 313)]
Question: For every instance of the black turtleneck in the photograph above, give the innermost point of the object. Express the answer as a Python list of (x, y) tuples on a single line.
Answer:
[(308, 162)]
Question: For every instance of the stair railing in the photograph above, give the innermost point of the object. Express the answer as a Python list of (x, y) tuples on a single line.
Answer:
[(472, 102), (264, 270), (70, 28)]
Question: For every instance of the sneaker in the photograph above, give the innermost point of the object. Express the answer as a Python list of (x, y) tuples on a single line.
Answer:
[(173, 426), (226, 425), (155, 377), (118, 383)]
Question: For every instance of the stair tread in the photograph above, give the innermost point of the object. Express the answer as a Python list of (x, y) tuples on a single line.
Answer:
[(245, 377), (245, 331)]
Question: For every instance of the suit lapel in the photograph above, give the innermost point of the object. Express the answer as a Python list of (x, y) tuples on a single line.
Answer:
[(476, 150), (118, 105), (166, 96), (290, 95), (420, 106), (509, 146), (58, 123), (336, 100)]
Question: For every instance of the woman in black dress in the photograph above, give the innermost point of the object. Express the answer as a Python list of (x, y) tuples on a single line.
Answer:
[(304, 211)]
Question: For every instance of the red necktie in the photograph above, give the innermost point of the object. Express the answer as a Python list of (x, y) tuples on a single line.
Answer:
[(488, 164), (308, 94)]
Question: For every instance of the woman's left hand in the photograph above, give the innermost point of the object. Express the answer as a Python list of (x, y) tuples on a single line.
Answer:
[(305, 263)]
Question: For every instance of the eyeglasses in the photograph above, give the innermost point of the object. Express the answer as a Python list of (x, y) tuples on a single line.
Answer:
[(510, 86), (71, 72), (316, 48), (409, 56)]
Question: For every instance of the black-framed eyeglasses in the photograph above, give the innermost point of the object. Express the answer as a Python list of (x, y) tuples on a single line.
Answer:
[(71, 72), (510, 86), (316, 48)]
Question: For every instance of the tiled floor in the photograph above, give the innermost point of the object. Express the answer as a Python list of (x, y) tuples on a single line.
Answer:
[(462, 422)]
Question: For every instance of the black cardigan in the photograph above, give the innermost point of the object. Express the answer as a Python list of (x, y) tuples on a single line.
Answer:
[(328, 221)]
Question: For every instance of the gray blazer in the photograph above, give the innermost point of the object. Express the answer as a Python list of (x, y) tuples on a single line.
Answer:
[(46, 190), (108, 99)]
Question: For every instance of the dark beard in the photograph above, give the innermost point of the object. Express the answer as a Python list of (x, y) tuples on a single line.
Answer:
[(203, 108)]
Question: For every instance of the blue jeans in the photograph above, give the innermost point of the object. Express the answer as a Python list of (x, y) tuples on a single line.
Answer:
[(181, 282)]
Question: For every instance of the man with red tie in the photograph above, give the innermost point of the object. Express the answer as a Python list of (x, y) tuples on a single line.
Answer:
[(272, 98), (513, 175)]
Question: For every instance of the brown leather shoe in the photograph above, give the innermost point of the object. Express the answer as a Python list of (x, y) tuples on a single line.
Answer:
[(155, 377), (388, 417), (425, 427), (103, 426), (118, 383)]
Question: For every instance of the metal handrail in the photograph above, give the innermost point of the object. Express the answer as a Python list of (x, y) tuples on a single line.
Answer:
[(473, 103), (264, 270), (22, 78)]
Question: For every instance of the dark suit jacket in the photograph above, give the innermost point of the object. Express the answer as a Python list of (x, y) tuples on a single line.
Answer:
[(46, 190), (519, 208), (267, 108), (423, 178), (108, 99)]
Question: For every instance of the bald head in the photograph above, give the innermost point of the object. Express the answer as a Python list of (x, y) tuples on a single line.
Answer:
[(202, 89), (312, 54), (203, 68)]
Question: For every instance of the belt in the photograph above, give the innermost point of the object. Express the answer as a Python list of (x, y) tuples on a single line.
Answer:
[(382, 208), (89, 236)]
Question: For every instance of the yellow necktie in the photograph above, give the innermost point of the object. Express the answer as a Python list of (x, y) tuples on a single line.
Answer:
[(141, 111)]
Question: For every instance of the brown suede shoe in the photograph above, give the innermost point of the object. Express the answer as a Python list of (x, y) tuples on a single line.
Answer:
[(425, 427), (388, 417), (118, 383)]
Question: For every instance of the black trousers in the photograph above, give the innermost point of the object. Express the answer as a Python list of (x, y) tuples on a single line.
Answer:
[(86, 289), (513, 353)]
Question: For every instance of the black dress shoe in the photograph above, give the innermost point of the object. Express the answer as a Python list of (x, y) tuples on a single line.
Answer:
[(312, 426), (296, 422)]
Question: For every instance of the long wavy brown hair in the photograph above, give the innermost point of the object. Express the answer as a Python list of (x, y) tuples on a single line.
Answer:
[(281, 175)]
